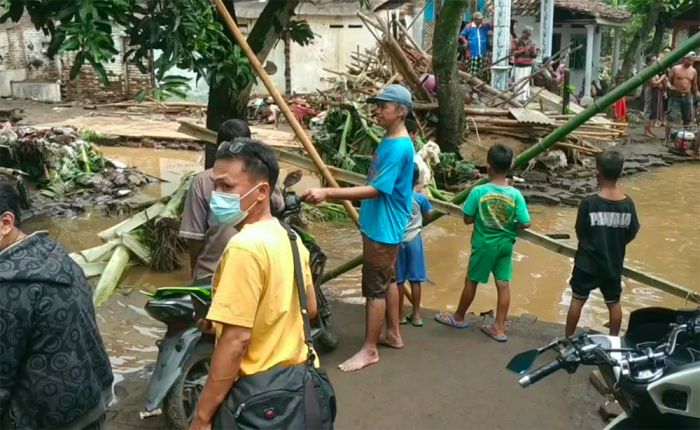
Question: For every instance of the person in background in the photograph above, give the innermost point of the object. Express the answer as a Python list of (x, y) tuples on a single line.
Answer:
[(475, 37), (652, 95), (386, 208), (429, 83), (255, 307), (513, 41), (683, 88), (410, 262), (524, 56), (497, 211), (606, 223), (619, 108), (663, 101), (54, 370), (427, 156), (206, 238)]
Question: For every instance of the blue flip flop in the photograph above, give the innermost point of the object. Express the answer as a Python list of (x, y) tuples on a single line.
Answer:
[(448, 319)]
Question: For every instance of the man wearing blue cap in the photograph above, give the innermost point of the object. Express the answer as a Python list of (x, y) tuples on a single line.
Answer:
[(386, 208)]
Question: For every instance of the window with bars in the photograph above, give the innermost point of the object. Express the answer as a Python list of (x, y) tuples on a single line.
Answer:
[(578, 57)]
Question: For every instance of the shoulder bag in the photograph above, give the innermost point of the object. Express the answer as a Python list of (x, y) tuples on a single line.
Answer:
[(284, 397)]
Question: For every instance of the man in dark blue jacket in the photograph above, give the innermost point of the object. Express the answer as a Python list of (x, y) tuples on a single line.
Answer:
[(54, 370)]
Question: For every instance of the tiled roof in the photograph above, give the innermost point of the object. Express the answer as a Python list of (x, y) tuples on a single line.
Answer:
[(251, 9), (594, 8)]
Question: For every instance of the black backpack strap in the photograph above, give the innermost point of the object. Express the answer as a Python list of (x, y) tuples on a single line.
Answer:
[(299, 281)]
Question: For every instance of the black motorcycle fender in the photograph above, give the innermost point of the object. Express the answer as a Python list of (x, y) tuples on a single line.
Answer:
[(172, 353)]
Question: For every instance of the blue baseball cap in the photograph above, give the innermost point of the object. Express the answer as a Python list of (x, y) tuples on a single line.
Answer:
[(394, 93)]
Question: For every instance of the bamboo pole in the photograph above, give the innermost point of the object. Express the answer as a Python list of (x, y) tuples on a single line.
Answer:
[(274, 92), (404, 67)]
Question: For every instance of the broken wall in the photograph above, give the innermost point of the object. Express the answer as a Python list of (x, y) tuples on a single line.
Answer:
[(25, 65)]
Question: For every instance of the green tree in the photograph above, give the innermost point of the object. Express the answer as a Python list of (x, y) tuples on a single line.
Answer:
[(450, 96), (188, 34), (646, 32)]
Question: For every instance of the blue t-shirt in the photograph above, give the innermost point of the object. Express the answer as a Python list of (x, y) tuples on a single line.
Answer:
[(477, 37), (384, 218)]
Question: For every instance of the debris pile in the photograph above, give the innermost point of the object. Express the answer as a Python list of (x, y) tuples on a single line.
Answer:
[(68, 171), (149, 237), (346, 136)]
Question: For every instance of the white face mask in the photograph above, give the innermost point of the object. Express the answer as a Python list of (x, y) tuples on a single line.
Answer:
[(226, 208)]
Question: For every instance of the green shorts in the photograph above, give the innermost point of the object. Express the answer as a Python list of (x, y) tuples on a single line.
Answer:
[(496, 259)]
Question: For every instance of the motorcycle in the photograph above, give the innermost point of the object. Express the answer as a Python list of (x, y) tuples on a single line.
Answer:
[(185, 352), (653, 370)]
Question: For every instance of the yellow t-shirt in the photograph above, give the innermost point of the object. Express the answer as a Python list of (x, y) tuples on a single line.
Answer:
[(254, 287)]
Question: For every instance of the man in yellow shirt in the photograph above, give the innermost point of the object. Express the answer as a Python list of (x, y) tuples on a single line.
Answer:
[(255, 308)]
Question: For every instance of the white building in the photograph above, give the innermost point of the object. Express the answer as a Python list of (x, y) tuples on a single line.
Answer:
[(338, 30)]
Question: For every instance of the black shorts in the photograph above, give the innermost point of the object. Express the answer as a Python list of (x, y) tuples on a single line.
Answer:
[(582, 283)]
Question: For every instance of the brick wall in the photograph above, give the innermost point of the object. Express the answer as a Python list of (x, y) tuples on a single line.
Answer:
[(23, 48)]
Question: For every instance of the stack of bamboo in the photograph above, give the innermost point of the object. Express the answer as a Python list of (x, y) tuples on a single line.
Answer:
[(398, 58), (150, 238)]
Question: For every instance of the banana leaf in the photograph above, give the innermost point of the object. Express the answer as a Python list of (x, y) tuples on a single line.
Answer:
[(111, 275)]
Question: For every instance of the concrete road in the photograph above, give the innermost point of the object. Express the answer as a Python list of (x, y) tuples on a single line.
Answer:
[(444, 379)]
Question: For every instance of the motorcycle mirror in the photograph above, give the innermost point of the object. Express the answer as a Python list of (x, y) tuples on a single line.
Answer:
[(292, 178), (522, 362)]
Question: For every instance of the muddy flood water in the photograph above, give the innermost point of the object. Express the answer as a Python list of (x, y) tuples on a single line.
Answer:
[(668, 246)]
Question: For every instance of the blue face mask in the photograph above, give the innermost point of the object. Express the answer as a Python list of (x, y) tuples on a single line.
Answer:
[(226, 208)]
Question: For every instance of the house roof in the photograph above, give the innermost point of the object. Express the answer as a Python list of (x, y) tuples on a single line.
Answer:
[(594, 8), (251, 9)]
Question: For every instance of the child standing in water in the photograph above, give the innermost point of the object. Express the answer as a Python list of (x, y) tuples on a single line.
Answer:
[(410, 261), (497, 211), (606, 223)]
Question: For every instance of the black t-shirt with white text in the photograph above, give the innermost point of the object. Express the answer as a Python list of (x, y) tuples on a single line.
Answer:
[(604, 228)]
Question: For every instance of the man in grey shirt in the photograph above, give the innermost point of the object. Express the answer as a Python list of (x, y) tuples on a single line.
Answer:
[(206, 237)]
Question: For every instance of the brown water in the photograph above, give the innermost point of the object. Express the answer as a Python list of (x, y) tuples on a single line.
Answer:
[(668, 245)]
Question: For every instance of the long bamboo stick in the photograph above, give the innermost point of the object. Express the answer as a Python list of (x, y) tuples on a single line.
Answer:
[(274, 92)]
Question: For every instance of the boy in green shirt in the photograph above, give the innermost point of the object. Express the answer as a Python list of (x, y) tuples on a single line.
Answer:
[(497, 211)]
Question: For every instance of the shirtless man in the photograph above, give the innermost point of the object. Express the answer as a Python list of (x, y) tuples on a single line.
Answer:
[(683, 87)]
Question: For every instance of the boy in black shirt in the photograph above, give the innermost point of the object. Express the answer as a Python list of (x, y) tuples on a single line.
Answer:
[(606, 223)]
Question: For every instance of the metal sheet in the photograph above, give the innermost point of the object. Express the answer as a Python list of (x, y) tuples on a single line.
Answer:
[(529, 116)]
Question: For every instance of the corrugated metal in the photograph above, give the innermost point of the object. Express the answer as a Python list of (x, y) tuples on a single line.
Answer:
[(529, 116)]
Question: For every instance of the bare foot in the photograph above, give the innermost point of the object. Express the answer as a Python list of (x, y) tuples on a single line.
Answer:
[(359, 361), (651, 135), (391, 340)]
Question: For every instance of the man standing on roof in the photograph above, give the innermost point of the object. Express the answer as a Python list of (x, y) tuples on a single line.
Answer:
[(476, 38), (524, 56)]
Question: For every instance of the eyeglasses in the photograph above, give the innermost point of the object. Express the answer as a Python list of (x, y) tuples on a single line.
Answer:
[(241, 148)]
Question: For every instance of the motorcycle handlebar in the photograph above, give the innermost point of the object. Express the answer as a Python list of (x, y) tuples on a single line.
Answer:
[(540, 373)]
